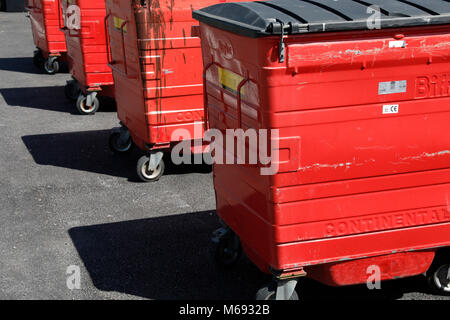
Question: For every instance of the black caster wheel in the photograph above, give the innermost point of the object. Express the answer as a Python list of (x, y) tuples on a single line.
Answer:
[(51, 65), (229, 250), (119, 144), (269, 292), (83, 109), (72, 90), (145, 174), (438, 278), (38, 58)]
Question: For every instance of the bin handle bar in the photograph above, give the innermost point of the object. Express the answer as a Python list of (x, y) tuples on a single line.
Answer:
[(124, 51), (239, 100), (125, 64), (112, 63), (205, 96), (108, 49)]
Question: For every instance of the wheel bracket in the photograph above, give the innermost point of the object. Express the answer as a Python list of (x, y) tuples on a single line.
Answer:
[(155, 160), (219, 234), (73, 82), (124, 135), (90, 99), (285, 289)]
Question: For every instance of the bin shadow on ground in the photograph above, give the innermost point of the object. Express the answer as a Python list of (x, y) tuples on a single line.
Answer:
[(89, 151), (22, 64), (48, 98), (172, 257), (25, 65), (43, 98), (161, 258)]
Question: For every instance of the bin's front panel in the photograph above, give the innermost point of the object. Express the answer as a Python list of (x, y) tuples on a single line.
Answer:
[(364, 151), (45, 22), (87, 45)]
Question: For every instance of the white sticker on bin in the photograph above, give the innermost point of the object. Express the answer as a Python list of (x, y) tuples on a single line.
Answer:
[(392, 87), (391, 109), (397, 44)]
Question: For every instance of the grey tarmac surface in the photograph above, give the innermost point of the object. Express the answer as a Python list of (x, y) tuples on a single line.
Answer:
[(66, 200)]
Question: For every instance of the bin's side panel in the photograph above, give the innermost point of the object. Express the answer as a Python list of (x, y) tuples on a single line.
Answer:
[(75, 57), (55, 38), (87, 48), (127, 85), (172, 72), (241, 192), (172, 76), (165, 56), (364, 157), (168, 63), (37, 25)]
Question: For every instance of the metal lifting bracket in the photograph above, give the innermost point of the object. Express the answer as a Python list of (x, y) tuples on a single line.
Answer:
[(279, 27), (282, 46)]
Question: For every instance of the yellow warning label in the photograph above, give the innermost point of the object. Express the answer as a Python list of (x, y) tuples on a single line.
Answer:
[(230, 81), (118, 23)]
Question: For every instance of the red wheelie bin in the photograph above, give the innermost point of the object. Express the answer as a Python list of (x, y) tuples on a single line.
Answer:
[(49, 40), (358, 107), (156, 61), (87, 54)]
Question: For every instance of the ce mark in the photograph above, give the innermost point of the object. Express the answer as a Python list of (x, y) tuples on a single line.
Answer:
[(391, 109)]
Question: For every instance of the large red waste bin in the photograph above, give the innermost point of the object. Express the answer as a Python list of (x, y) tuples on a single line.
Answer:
[(87, 54), (360, 97), (156, 62), (49, 40)]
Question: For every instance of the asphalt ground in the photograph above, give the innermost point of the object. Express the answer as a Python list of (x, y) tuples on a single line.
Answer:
[(67, 200)]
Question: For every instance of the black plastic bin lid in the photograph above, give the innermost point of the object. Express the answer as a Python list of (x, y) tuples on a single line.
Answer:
[(265, 18)]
